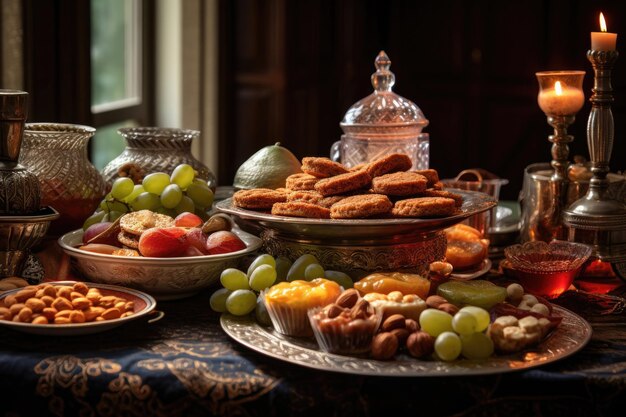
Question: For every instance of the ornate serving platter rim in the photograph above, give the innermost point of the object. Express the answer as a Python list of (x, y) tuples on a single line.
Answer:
[(474, 203), (75, 329), (571, 336)]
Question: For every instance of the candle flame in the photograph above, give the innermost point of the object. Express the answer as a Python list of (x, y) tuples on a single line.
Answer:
[(602, 23), (557, 88)]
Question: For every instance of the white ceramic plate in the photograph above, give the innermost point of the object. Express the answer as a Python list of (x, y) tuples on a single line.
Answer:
[(572, 335), (144, 305), (481, 270)]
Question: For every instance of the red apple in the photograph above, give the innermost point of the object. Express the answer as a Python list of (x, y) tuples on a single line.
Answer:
[(187, 219), (163, 242), (223, 242), (197, 239)]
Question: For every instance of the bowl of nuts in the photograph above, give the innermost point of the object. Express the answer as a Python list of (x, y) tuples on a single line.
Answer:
[(71, 308)]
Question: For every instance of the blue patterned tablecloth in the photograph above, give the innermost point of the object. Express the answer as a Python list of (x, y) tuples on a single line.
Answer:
[(186, 365)]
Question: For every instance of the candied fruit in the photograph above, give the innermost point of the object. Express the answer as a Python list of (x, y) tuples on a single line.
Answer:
[(386, 282), (479, 293)]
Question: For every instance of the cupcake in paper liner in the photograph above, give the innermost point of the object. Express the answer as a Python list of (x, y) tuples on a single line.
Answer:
[(287, 303), (345, 329)]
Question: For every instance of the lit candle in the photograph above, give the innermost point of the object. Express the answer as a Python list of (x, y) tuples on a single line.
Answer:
[(603, 41), (560, 100)]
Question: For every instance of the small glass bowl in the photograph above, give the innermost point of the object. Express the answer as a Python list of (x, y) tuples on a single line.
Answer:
[(546, 269)]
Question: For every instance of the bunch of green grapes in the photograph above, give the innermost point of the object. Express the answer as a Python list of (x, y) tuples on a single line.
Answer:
[(461, 334), (167, 194), (240, 295)]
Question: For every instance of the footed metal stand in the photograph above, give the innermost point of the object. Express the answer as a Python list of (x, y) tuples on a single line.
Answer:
[(596, 219)]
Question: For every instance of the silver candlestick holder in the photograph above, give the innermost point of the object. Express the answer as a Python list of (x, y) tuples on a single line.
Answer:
[(596, 219)]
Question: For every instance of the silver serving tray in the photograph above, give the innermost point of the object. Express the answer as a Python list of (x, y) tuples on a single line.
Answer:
[(572, 335), (339, 229)]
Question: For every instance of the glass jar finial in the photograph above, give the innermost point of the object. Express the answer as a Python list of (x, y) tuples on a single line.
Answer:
[(383, 79)]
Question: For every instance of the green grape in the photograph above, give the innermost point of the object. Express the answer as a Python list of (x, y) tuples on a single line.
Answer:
[(434, 322), (114, 215), (464, 322), (340, 278), (171, 196), (137, 189), (104, 203), (182, 175), (480, 314), (200, 181), (93, 219), (241, 302), (448, 346), (202, 196), (476, 346), (299, 266), (122, 187), (186, 204), (156, 182), (262, 277), (218, 300), (146, 201), (313, 271), (265, 259), (260, 311), (166, 211), (116, 205), (234, 279), (282, 267)]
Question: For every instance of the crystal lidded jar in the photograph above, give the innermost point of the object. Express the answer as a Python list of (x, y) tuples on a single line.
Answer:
[(57, 154), (157, 149), (381, 123)]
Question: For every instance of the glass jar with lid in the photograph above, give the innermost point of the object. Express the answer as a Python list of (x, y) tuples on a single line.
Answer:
[(382, 123)]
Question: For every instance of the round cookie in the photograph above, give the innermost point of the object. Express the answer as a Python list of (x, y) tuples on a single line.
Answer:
[(424, 207), (343, 183), (301, 182), (258, 198), (304, 196), (300, 209), (322, 167), (458, 198), (399, 183), (431, 175), (390, 163), (361, 206), (137, 222), (128, 239)]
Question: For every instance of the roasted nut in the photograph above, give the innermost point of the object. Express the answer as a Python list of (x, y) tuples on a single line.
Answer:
[(92, 312), (434, 301), (5, 314), (215, 224), (35, 304), (65, 292), (111, 313), (121, 304), (15, 308), (9, 300), (64, 313), (402, 334), (81, 303), (93, 296), (77, 316), (411, 325), (449, 308), (420, 344), (395, 321), (348, 298), (99, 318), (62, 320), (62, 304), (384, 346), (47, 300), (81, 287), (49, 313), (333, 310), (25, 293), (25, 315), (50, 291), (128, 313), (40, 320), (108, 301), (76, 294), (130, 306), (39, 293)]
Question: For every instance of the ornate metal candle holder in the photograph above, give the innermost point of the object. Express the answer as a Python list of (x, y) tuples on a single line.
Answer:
[(596, 219), (560, 97)]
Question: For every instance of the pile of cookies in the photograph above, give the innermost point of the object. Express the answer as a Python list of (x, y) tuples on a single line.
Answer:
[(132, 225), (383, 188)]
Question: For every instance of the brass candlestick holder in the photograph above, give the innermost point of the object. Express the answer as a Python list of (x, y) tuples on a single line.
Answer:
[(560, 97), (596, 219)]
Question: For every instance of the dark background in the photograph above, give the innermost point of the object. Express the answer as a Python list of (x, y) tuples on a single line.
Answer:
[(289, 70)]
